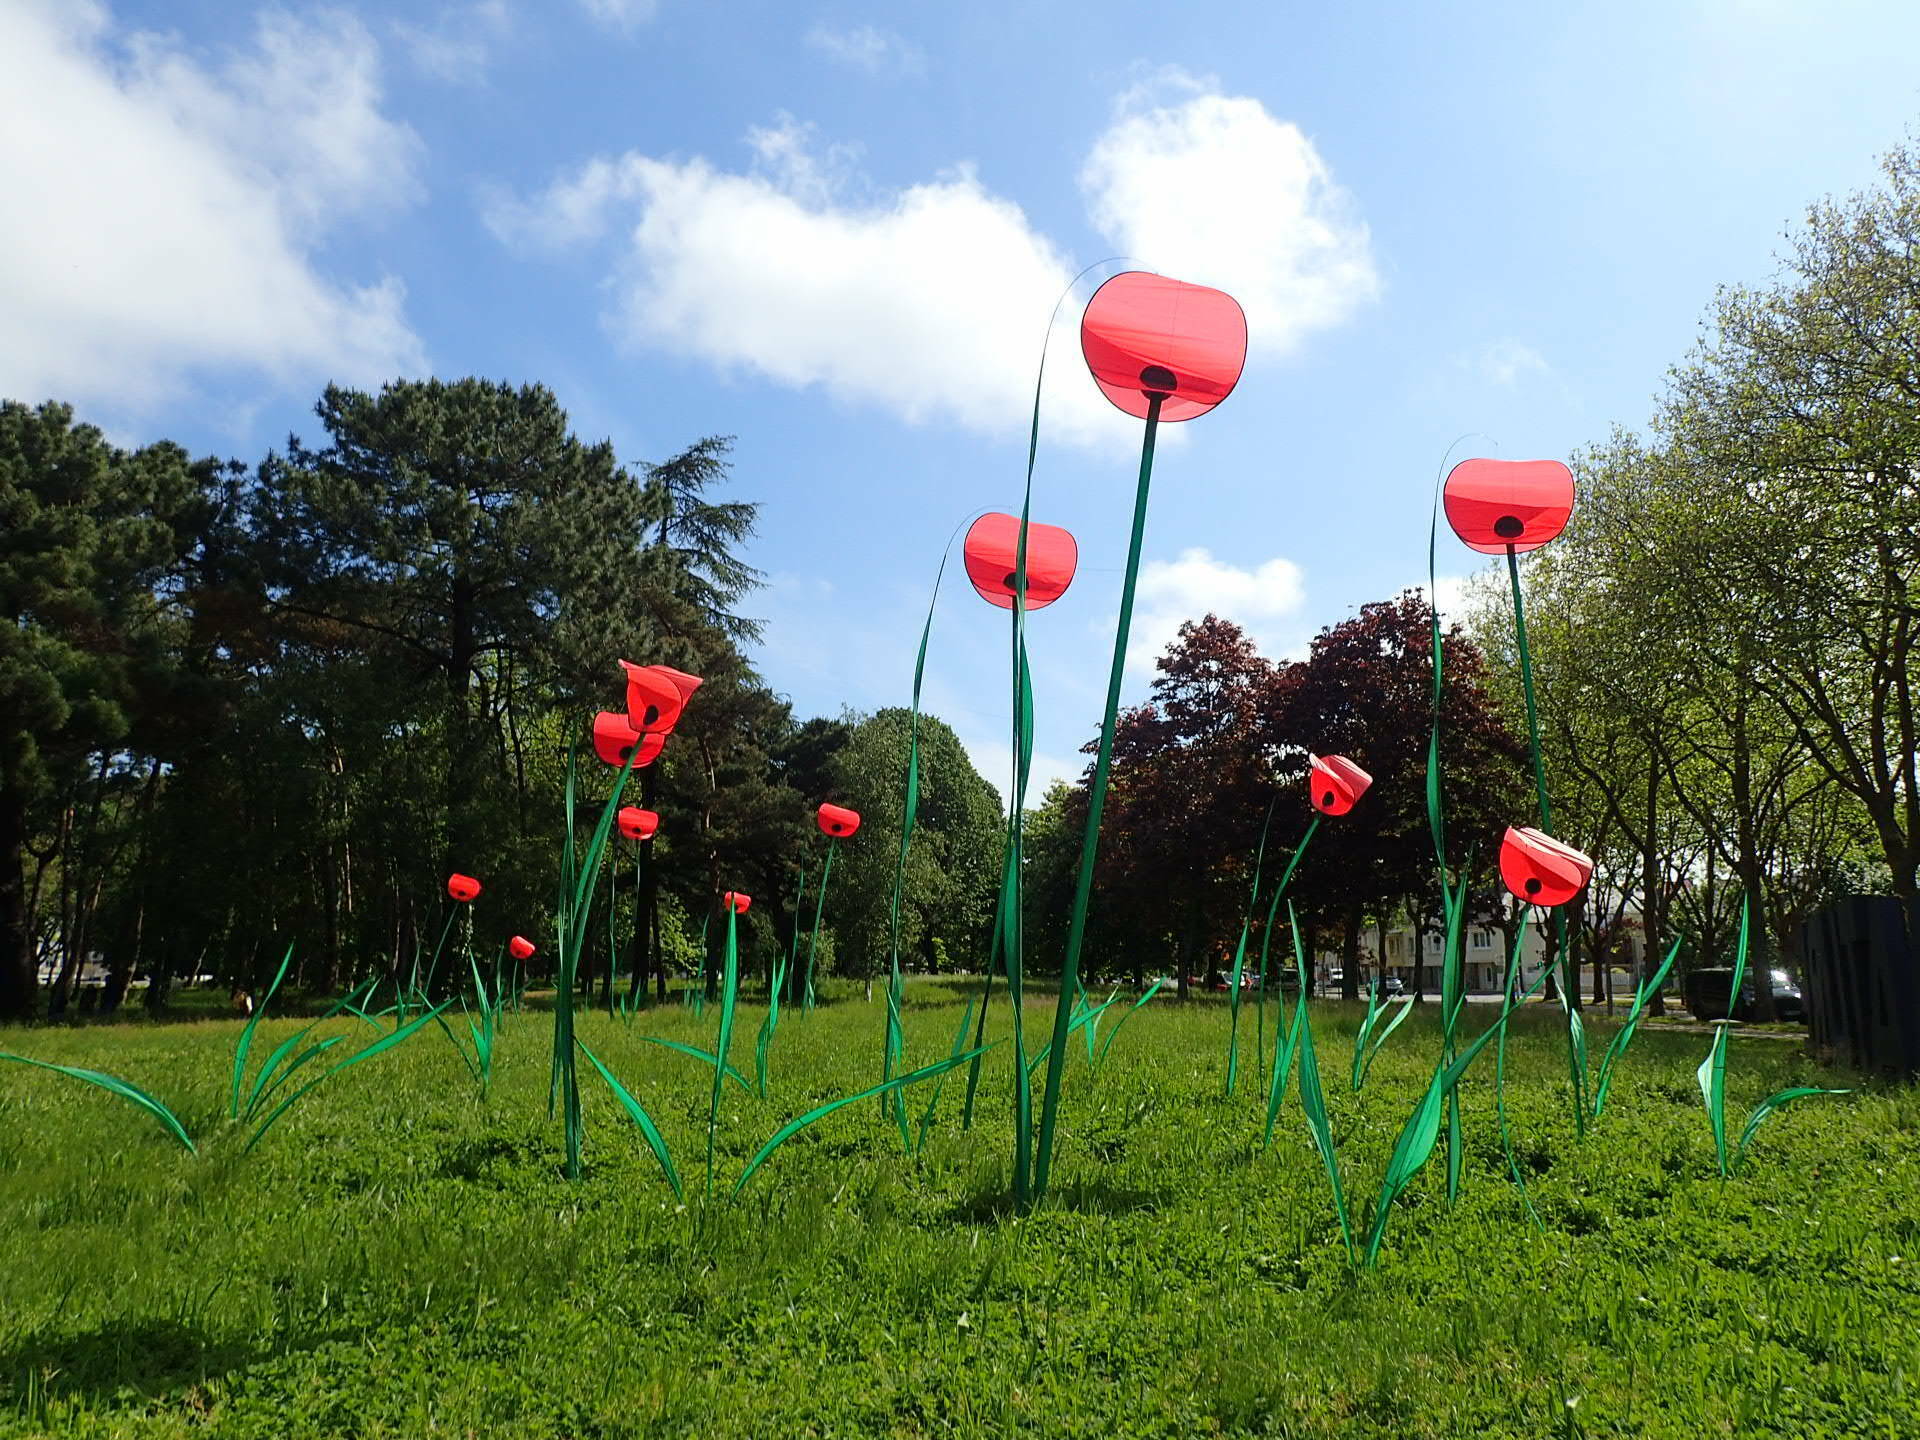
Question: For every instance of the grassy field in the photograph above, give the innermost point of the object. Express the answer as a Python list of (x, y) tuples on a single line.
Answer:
[(400, 1257)]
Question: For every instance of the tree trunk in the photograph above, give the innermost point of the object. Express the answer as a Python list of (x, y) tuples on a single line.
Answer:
[(1350, 961), (16, 941), (457, 787)]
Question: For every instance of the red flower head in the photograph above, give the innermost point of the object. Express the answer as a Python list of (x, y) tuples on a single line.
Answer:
[(1492, 504), (613, 737), (1336, 784), (838, 821), (1541, 870), (1145, 335), (463, 888), (654, 697), (736, 902), (637, 824), (520, 948), (992, 548)]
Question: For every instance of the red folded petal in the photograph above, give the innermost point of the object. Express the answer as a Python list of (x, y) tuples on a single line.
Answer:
[(992, 548), (1540, 869), (1145, 335), (1336, 783), (837, 821), (1492, 504)]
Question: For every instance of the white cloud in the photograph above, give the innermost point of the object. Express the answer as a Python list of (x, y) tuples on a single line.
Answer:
[(1505, 360), (1265, 602), (458, 46), (868, 48), (1214, 189), (621, 14), (167, 213), (927, 301)]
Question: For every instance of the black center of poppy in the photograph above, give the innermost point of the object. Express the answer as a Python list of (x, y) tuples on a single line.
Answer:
[(1533, 887), (1158, 380), (653, 711), (625, 752), (1509, 527), (1012, 582), (1326, 800)]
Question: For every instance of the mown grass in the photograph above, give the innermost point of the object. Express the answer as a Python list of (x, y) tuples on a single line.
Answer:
[(400, 1257)]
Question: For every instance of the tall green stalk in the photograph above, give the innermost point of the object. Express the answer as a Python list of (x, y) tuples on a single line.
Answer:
[(1240, 950), (730, 987), (1569, 981), (819, 905), (1096, 803)]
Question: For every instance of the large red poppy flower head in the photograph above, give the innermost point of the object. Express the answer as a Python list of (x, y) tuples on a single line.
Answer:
[(1336, 784), (1492, 504), (993, 549), (637, 824), (838, 821), (736, 902), (1145, 335), (463, 888), (613, 737), (654, 697), (520, 948), (1541, 870)]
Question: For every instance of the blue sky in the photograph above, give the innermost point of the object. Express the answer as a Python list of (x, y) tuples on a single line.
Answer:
[(835, 232)]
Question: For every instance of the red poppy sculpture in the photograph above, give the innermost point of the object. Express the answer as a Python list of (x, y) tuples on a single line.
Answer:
[(637, 824), (654, 701), (520, 948), (1163, 350), (736, 902), (1160, 348), (1540, 869), (613, 738), (463, 888), (992, 555), (1336, 784), (1499, 505), (837, 821)]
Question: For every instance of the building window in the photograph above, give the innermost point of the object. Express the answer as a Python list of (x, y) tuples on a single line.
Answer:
[(1482, 939)]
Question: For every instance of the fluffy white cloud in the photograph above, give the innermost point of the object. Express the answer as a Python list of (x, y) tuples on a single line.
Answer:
[(1265, 602), (925, 301), (458, 46), (1212, 188), (165, 214), (865, 47)]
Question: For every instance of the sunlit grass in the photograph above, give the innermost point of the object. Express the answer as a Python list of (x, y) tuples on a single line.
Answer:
[(402, 1255)]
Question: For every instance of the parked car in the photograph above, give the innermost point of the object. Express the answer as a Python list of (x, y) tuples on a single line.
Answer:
[(1393, 985), (1706, 993)]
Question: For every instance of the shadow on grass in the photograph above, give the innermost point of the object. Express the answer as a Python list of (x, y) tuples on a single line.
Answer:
[(151, 1357), (1084, 1197)]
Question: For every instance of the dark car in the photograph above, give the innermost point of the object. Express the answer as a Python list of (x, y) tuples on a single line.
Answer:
[(1707, 993)]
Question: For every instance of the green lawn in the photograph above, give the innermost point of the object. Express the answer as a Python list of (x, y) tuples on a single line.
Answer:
[(399, 1257)]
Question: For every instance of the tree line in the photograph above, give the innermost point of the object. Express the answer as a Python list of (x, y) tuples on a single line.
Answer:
[(247, 707), (243, 707)]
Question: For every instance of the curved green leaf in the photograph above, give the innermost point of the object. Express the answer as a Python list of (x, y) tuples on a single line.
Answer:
[(640, 1117), (699, 1054), (114, 1085), (899, 1082), (1768, 1106)]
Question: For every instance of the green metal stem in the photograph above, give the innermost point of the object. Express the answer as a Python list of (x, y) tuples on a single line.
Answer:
[(1096, 802)]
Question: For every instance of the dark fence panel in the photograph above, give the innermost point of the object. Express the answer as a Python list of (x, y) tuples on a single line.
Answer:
[(1863, 982)]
